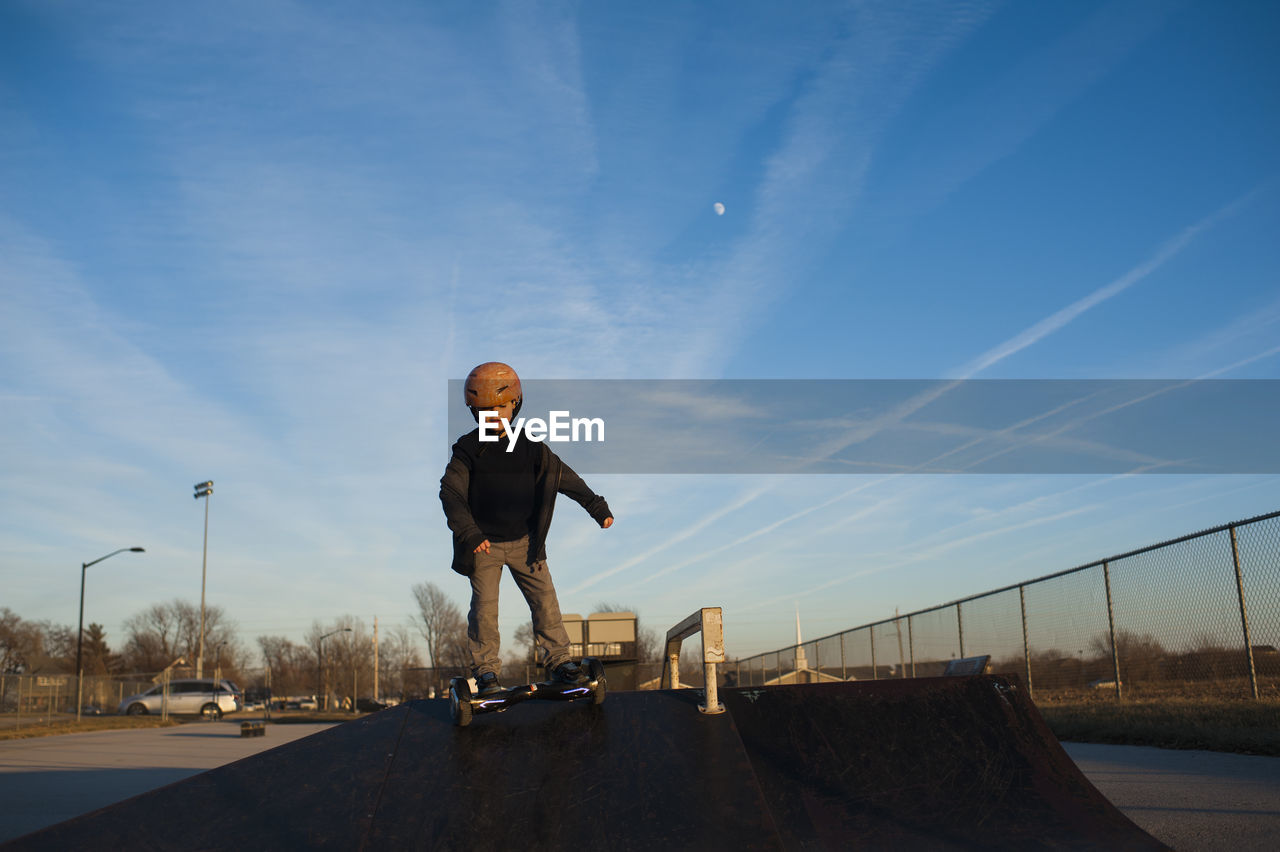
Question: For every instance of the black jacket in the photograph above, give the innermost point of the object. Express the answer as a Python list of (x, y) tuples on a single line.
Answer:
[(553, 477)]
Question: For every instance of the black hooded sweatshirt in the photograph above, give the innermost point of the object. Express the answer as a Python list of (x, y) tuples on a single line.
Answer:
[(491, 494)]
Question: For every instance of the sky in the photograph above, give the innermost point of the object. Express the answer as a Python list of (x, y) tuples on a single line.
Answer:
[(253, 242)]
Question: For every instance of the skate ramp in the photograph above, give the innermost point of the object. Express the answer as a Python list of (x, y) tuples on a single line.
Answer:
[(946, 763), (938, 763)]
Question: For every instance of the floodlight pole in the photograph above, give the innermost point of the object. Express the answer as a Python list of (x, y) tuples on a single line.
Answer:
[(84, 566), (203, 489)]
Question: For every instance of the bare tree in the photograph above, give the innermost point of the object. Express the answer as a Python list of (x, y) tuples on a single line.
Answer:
[(398, 653), (22, 644), (291, 666), (1141, 655), (347, 658), (442, 626), (164, 632), (524, 640)]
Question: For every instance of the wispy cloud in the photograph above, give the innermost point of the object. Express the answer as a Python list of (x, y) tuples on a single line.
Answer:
[(1059, 319), (984, 126), (678, 537), (874, 61), (1036, 332), (894, 418), (1257, 325), (769, 529), (929, 554)]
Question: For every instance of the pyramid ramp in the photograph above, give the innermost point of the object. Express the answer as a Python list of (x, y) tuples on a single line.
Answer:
[(945, 763)]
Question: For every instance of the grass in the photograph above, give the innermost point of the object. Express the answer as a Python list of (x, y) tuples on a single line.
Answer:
[(294, 717), (1240, 725), (43, 726)]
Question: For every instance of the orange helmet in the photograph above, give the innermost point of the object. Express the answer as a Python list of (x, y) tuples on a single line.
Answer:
[(492, 384)]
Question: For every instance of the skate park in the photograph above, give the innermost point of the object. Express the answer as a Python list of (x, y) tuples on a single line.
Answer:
[(953, 762)]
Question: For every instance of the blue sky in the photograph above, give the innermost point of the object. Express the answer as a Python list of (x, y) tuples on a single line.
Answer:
[(252, 242)]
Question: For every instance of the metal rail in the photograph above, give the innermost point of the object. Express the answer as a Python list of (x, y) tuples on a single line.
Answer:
[(709, 621)]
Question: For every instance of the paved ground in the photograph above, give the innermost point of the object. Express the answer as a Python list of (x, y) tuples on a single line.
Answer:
[(1190, 800), (46, 780)]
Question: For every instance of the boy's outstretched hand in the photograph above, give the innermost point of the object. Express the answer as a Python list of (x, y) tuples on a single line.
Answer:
[(608, 522)]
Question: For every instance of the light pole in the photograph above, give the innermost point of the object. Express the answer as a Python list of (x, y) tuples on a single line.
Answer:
[(203, 489), (320, 660), (217, 659), (84, 566)]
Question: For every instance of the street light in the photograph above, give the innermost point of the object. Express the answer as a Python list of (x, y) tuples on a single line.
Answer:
[(217, 658), (203, 489), (320, 661), (84, 566)]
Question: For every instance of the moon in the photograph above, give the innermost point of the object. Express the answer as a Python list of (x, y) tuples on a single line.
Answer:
[(719, 208)]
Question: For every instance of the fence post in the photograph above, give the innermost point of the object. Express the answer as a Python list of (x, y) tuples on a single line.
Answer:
[(1244, 614), (911, 646), (875, 675), (843, 669), (960, 628), (902, 660), (1026, 648), (1111, 625)]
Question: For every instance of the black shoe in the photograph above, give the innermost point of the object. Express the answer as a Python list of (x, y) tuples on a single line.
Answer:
[(487, 684), (569, 672)]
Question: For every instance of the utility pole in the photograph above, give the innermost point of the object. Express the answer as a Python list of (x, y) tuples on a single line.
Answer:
[(203, 489)]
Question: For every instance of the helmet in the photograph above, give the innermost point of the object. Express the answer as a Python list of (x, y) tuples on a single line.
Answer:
[(491, 384)]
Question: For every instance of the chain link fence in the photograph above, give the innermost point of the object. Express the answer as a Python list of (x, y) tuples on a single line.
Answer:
[(31, 700), (1195, 616)]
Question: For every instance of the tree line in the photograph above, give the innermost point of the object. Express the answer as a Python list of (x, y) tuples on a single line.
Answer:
[(334, 658)]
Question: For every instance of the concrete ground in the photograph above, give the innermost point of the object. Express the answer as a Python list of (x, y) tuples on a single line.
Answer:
[(46, 780), (1191, 800)]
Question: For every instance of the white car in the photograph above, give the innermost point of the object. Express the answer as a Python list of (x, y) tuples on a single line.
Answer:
[(207, 697)]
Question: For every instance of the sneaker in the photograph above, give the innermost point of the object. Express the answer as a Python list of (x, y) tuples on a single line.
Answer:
[(569, 672), (487, 684)]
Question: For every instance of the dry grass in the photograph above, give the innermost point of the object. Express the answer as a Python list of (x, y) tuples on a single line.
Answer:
[(31, 727), (14, 728), (293, 717), (1166, 717)]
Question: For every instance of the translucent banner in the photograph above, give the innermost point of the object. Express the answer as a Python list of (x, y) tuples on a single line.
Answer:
[(896, 426)]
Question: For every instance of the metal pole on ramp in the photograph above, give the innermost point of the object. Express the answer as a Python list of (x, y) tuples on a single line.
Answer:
[(709, 621)]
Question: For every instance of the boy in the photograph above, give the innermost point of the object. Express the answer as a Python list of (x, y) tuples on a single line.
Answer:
[(498, 505)]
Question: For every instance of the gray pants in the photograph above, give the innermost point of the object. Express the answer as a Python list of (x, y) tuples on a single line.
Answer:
[(535, 584)]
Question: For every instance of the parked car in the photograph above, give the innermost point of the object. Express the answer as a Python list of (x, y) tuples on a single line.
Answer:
[(257, 698), (204, 697)]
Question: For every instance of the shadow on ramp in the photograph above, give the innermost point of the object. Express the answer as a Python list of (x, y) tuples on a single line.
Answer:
[(947, 763), (937, 763)]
